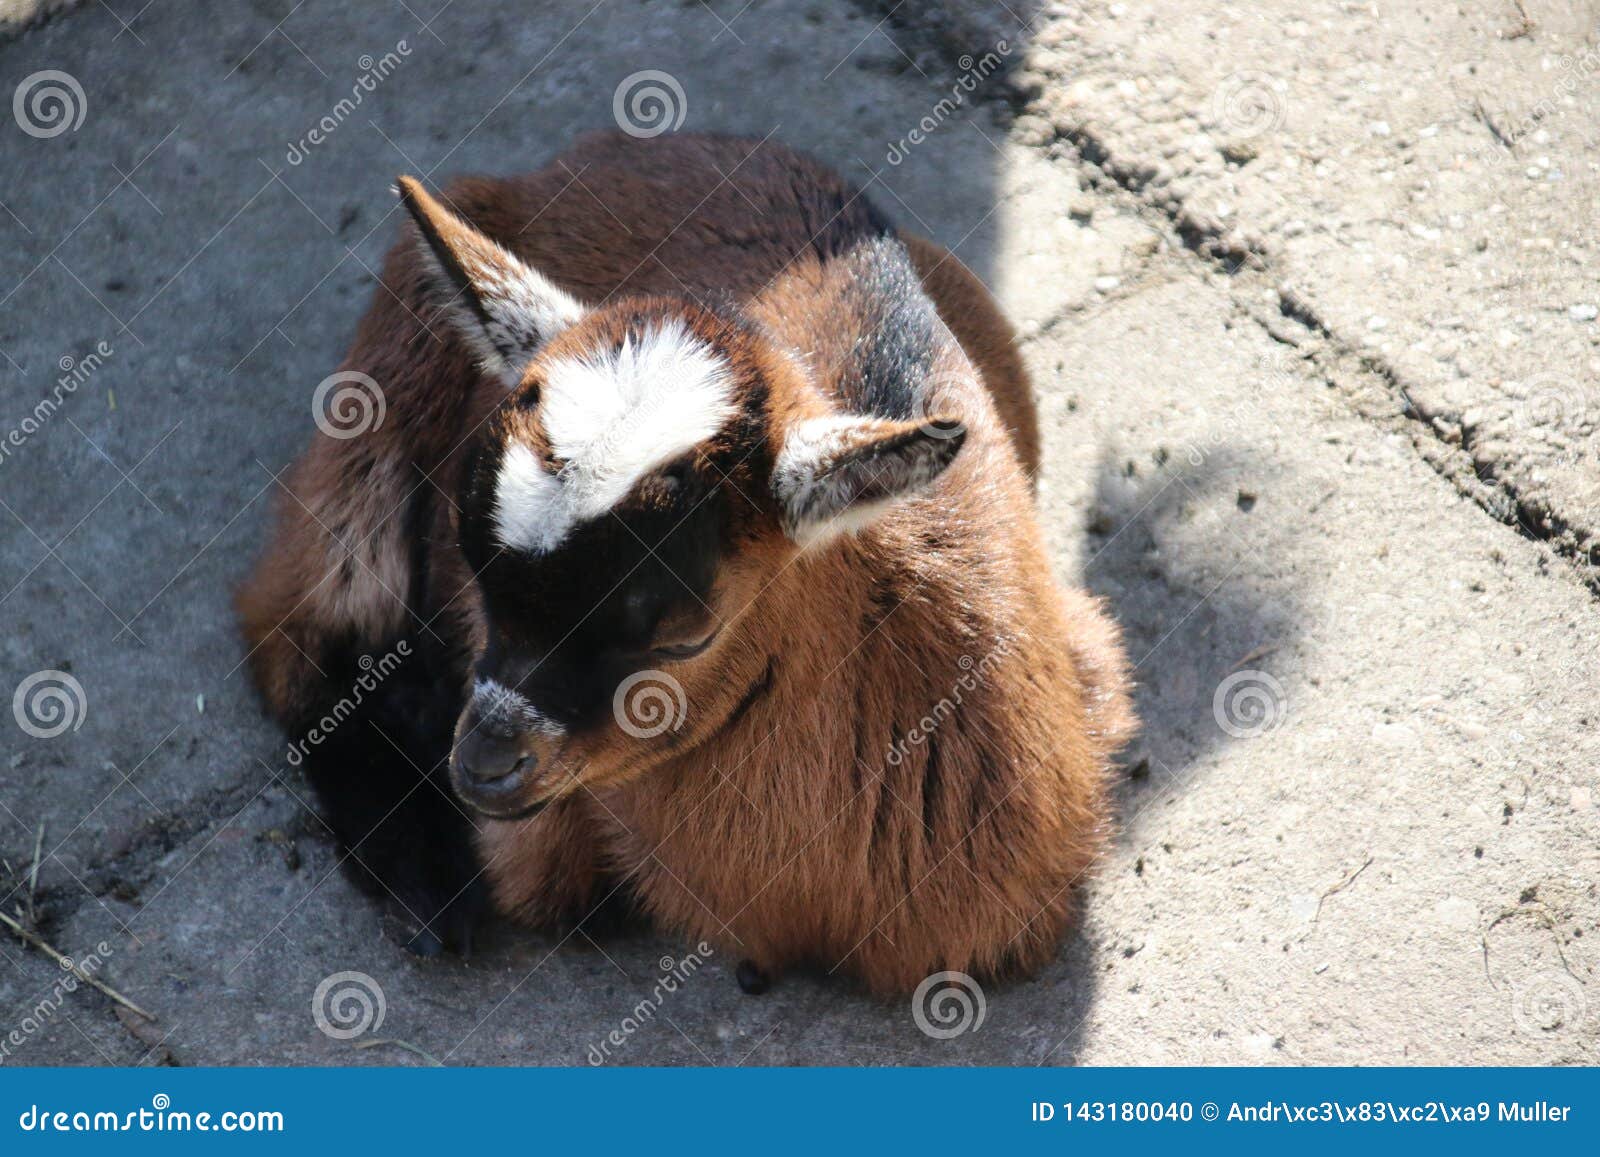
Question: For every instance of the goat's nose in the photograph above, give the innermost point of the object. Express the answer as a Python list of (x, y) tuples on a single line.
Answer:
[(485, 758)]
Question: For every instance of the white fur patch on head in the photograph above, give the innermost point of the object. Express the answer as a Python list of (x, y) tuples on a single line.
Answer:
[(506, 711), (530, 509), (611, 417)]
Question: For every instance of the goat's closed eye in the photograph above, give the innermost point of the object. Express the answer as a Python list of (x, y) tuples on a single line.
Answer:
[(684, 650)]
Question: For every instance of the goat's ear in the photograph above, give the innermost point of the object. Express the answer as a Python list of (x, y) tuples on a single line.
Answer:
[(838, 473), (503, 307)]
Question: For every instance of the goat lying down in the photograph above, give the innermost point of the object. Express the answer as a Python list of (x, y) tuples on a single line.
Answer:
[(699, 507)]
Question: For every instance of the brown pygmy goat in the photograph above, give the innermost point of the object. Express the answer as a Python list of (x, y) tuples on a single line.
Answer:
[(698, 504)]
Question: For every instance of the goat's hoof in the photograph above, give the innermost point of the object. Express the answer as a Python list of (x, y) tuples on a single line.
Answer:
[(752, 981)]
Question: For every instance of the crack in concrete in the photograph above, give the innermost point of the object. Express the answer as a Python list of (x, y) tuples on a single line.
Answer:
[(122, 875), (1248, 263)]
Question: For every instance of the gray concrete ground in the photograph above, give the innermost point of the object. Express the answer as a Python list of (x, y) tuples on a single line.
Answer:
[(1308, 297)]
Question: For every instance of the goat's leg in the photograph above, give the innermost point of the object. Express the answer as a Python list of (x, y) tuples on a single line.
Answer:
[(753, 979), (381, 775)]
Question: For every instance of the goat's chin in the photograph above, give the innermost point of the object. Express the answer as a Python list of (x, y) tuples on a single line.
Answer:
[(506, 812), (568, 773), (499, 801), (519, 795)]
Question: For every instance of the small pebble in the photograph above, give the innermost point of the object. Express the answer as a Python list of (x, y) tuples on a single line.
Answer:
[(1106, 284), (1584, 312)]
